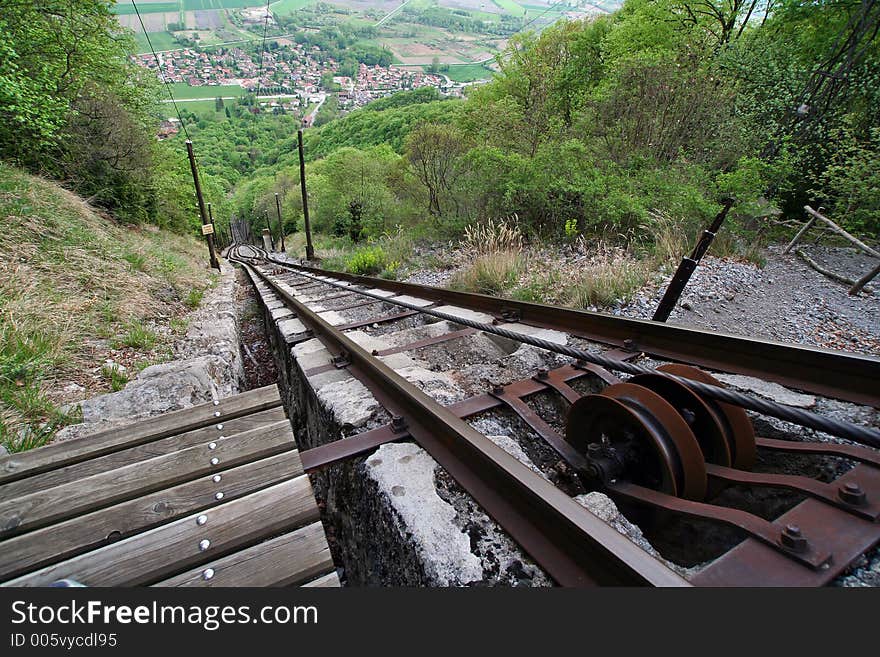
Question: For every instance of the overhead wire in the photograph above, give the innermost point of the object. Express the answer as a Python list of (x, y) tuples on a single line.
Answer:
[(159, 69)]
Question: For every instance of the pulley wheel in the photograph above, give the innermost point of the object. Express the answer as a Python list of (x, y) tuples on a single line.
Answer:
[(651, 441), (736, 424), (704, 421)]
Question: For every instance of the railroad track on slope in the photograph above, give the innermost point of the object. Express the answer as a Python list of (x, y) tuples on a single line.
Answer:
[(668, 444)]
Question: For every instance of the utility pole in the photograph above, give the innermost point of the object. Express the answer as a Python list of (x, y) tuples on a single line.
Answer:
[(269, 228), (217, 236), (310, 251), (280, 221), (207, 232)]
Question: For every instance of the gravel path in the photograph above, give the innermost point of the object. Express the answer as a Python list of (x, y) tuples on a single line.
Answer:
[(785, 301)]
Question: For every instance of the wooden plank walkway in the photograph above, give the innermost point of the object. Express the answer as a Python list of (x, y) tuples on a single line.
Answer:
[(213, 495)]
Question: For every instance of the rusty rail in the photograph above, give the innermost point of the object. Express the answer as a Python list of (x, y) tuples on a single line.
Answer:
[(571, 544), (839, 375)]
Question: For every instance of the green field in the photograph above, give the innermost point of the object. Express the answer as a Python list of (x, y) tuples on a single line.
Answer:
[(289, 6), (467, 72), (200, 107), (510, 7), (160, 41), (182, 91), (124, 7)]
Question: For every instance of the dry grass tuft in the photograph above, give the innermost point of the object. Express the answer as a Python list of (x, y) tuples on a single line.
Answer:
[(494, 250), (490, 273), (607, 281), (500, 236), (68, 279)]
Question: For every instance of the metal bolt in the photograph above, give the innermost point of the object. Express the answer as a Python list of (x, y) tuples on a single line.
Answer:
[(212, 445), (201, 520), (215, 461), (216, 403), (852, 493), (543, 373), (375, 352), (219, 427), (594, 447), (580, 363), (204, 544), (628, 344), (207, 573), (495, 321), (219, 496), (216, 413), (497, 389), (216, 479), (793, 539), (398, 423)]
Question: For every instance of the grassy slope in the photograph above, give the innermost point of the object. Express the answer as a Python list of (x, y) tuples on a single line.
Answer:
[(76, 289)]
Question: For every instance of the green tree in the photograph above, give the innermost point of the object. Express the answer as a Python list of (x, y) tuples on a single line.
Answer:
[(435, 153)]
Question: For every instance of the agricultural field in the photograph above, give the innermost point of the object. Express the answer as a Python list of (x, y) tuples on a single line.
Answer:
[(183, 91), (288, 6), (468, 73), (160, 40), (510, 7)]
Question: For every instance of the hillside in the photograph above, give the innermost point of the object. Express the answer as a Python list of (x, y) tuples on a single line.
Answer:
[(84, 301)]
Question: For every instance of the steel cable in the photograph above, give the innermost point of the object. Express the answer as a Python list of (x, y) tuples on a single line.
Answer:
[(840, 428)]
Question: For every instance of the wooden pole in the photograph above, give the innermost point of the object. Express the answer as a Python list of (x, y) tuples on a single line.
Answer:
[(863, 281), (269, 228), (310, 251), (202, 211), (800, 234), (280, 221), (840, 231), (217, 236)]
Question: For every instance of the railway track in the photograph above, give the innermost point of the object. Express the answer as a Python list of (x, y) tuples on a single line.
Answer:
[(675, 449)]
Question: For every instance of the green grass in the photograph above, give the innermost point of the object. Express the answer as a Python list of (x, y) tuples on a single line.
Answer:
[(160, 41), (136, 336), (510, 7), (200, 107), (115, 377), (123, 8), (49, 317), (289, 6), (182, 91), (468, 72), (194, 298)]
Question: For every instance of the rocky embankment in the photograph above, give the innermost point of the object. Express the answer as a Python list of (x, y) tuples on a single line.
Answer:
[(207, 365)]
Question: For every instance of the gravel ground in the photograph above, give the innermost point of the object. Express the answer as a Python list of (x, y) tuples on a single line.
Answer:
[(786, 300)]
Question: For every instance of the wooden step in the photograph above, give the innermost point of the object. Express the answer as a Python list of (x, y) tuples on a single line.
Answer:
[(137, 454), (44, 507), (178, 546), (77, 535), (56, 455), (330, 580), (285, 560)]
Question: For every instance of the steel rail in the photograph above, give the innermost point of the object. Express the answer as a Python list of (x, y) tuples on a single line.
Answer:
[(571, 544), (840, 375), (857, 433)]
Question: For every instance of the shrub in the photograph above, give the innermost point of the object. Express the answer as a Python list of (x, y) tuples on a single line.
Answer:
[(194, 298), (368, 261)]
